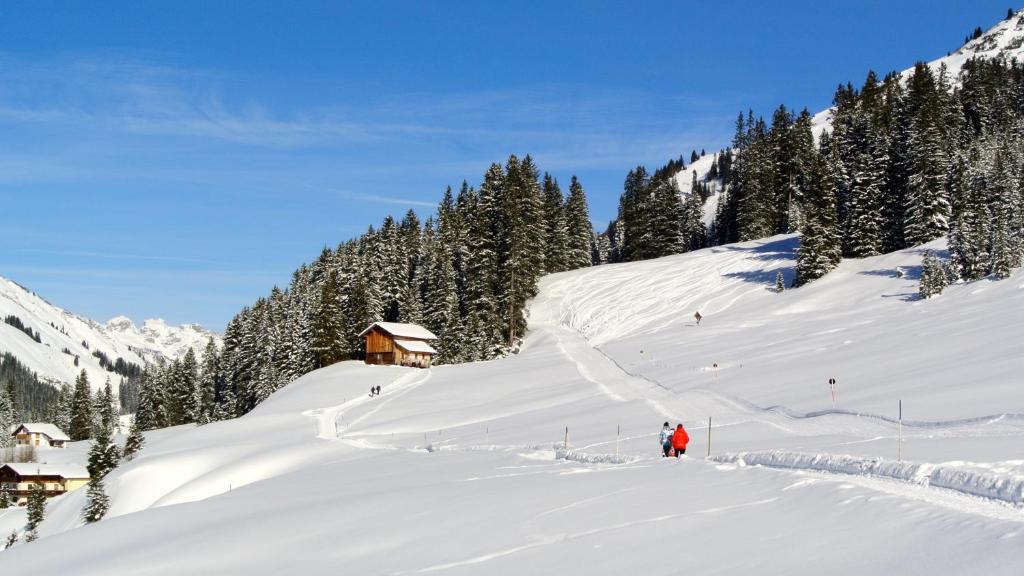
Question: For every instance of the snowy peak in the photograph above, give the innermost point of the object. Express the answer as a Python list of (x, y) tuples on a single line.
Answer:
[(68, 343), (1004, 40)]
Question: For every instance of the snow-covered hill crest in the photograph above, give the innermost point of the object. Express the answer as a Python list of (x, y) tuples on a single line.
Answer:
[(63, 336)]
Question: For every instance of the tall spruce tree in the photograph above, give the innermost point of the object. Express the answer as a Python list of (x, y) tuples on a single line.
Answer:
[(579, 229), (556, 246), (819, 250), (81, 409), (6, 418)]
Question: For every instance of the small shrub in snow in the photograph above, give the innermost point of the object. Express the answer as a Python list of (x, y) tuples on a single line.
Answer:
[(934, 276)]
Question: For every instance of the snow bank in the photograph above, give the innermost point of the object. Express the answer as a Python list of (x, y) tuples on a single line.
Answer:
[(975, 479), (577, 456)]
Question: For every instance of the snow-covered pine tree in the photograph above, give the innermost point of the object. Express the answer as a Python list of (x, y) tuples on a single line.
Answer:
[(898, 167), (865, 226), (97, 501), (189, 395), (12, 539), (329, 344), (135, 441), (928, 206), (103, 455), (36, 511), (579, 228), (209, 379), (483, 327), (1006, 217), (933, 276), (81, 409), (556, 246), (5, 497), (780, 281), (6, 419), (756, 205), (60, 413), (394, 267), (666, 217), (970, 221), (781, 142), (634, 223), (819, 241), (693, 230), (106, 412)]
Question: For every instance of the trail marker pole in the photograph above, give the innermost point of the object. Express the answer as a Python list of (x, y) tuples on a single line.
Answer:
[(832, 387), (566, 443), (709, 436), (899, 443), (618, 432)]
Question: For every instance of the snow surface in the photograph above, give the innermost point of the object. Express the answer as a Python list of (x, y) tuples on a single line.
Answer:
[(464, 469), (118, 338)]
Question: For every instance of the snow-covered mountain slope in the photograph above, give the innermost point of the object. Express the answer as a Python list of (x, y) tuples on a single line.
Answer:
[(65, 335), (462, 470), (1004, 40)]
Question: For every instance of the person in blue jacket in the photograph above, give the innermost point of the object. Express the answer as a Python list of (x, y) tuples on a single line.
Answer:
[(665, 439)]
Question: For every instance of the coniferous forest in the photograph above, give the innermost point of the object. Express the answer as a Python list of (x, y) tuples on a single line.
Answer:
[(465, 273), (905, 160)]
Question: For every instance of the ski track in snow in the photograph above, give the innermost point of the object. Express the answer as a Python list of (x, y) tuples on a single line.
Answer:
[(559, 538), (326, 419)]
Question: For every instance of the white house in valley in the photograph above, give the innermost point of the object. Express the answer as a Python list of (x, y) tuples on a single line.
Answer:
[(37, 434)]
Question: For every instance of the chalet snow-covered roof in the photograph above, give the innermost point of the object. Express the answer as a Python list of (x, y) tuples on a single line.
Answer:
[(34, 469), (50, 430), (415, 346), (399, 330)]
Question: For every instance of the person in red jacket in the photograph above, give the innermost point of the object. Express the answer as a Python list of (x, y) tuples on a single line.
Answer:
[(679, 440)]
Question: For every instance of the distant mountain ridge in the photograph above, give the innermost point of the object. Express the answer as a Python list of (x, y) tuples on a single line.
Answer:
[(63, 336)]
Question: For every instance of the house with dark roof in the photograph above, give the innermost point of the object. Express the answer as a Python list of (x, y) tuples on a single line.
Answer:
[(399, 344)]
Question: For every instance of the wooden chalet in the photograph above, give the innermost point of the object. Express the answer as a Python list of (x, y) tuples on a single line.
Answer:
[(38, 434), (56, 479), (399, 344)]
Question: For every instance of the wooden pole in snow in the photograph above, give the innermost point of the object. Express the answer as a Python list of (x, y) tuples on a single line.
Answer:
[(899, 444), (618, 432), (566, 443), (709, 436)]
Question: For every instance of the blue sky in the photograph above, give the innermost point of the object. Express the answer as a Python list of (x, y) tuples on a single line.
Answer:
[(177, 159)]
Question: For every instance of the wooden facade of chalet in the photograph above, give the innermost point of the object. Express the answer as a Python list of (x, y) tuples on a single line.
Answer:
[(56, 479), (399, 344)]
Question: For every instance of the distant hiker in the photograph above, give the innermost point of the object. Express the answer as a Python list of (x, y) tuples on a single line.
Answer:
[(373, 391), (378, 390), (697, 317), (665, 439), (679, 440)]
